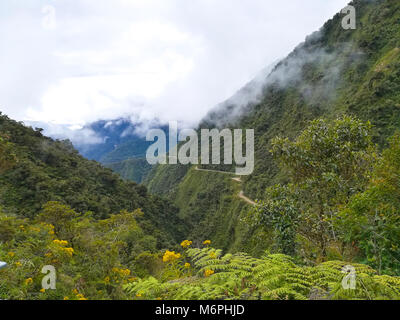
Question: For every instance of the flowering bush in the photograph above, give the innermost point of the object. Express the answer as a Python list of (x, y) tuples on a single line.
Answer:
[(91, 257), (171, 256), (186, 243)]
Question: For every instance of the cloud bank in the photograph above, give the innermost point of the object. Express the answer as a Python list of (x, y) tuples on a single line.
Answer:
[(74, 62)]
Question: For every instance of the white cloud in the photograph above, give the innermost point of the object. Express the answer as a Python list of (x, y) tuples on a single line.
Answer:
[(170, 59)]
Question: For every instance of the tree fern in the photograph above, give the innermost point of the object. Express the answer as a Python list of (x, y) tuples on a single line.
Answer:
[(272, 277)]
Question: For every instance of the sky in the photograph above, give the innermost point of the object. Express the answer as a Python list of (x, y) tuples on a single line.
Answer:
[(74, 62)]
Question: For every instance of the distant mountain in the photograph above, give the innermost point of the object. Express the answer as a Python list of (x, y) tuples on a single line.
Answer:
[(121, 140), (119, 144), (123, 148), (45, 170)]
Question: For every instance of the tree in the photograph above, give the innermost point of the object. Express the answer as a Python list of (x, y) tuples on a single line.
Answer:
[(60, 216), (372, 218), (7, 156), (326, 164), (279, 211)]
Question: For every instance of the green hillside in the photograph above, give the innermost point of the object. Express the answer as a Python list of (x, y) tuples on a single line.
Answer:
[(334, 72), (323, 200), (58, 208), (47, 170), (135, 169)]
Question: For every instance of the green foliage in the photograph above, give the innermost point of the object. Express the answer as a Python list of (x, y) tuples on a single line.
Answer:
[(45, 170), (7, 157), (338, 149), (272, 277), (135, 169), (372, 217), (279, 212), (326, 163), (331, 196), (334, 72), (94, 258), (60, 209)]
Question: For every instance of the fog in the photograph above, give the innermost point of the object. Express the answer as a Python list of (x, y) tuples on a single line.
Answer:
[(75, 62)]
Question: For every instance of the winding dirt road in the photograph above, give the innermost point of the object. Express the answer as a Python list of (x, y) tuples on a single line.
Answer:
[(236, 179)]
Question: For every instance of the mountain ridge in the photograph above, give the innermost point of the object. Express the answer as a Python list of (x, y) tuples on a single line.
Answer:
[(334, 72)]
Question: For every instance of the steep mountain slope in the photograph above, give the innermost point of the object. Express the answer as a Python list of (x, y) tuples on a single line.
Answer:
[(334, 72), (135, 169), (46, 170)]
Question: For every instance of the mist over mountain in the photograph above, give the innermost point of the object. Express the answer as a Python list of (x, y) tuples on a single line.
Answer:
[(334, 72), (119, 144), (121, 139), (320, 207)]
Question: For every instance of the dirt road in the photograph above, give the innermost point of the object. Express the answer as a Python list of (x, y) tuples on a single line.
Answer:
[(236, 179)]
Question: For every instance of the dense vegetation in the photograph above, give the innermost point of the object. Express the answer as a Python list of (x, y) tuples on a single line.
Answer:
[(325, 211), (93, 258), (327, 180), (135, 169), (210, 275), (328, 188), (40, 177), (47, 170), (334, 72), (341, 204), (58, 208), (338, 210)]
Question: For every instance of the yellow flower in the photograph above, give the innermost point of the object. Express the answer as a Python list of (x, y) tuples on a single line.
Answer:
[(11, 254), (213, 255), (66, 298), (107, 279), (186, 244), (28, 281), (171, 256), (208, 273), (75, 291), (80, 296), (187, 265), (18, 264), (126, 272), (62, 243), (42, 290), (139, 295), (207, 242), (49, 227), (69, 251), (122, 272)]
